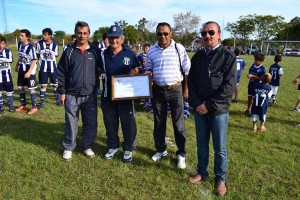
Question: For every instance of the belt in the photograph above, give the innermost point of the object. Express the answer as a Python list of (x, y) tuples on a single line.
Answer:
[(168, 87)]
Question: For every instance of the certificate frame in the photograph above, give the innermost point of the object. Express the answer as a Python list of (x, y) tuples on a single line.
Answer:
[(127, 87)]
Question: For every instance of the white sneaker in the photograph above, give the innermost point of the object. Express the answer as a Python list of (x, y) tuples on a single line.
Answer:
[(296, 110), (67, 155), (89, 153), (181, 162), (127, 156), (159, 155), (111, 153)]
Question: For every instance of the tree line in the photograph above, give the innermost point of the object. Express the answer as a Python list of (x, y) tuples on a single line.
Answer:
[(187, 27)]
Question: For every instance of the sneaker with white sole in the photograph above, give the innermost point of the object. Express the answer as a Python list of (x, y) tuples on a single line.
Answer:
[(297, 110), (67, 155), (111, 153), (159, 155), (181, 162), (127, 156), (89, 153)]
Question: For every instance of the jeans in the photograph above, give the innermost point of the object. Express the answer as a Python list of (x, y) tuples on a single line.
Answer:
[(159, 103), (217, 125)]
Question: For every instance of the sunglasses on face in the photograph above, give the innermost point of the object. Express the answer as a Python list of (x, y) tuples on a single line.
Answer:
[(210, 32), (161, 34)]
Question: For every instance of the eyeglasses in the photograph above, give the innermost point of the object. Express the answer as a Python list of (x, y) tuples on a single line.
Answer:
[(164, 33), (210, 32)]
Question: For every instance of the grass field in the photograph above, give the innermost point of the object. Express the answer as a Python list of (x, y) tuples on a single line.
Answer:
[(262, 165)]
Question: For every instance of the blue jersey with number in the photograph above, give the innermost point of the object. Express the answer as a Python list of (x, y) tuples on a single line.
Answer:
[(5, 70), (240, 65), (261, 99), (276, 72)]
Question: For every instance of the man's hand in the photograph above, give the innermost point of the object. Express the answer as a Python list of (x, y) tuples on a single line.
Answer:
[(134, 71), (63, 99), (202, 110)]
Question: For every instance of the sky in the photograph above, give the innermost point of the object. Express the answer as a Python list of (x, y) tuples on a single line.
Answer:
[(35, 15)]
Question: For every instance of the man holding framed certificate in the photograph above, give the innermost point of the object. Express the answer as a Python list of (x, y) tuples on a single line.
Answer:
[(118, 60), (169, 64)]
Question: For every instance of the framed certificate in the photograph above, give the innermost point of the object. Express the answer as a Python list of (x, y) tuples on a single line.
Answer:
[(125, 87)]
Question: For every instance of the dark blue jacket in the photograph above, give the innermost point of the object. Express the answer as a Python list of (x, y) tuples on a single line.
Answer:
[(77, 72)]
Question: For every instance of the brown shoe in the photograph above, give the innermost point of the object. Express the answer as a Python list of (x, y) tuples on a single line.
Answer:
[(196, 178), (220, 188)]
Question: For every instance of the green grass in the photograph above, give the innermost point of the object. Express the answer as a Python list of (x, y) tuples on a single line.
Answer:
[(261, 165)]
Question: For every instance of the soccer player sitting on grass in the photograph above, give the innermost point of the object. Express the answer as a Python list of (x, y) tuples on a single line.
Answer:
[(260, 103)]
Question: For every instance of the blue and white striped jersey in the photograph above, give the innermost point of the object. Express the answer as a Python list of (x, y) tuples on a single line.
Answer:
[(47, 55), (5, 70), (26, 54)]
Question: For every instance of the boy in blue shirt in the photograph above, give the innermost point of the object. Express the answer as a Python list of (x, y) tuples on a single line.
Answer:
[(261, 99), (276, 72), (256, 71), (240, 66)]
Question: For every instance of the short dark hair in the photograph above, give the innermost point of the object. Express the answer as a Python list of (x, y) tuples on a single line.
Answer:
[(47, 30), (212, 22), (81, 24), (104, 36), (237, 51), (146, 45), (259, 57), (27, 32), (278, 58), (163, 24), (73, 36), (2, 39)]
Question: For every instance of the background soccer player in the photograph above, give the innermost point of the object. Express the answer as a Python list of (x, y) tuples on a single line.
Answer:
[(47, 53)]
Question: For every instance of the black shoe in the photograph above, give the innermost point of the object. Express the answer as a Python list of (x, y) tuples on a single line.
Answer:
[(247, 112), (2, 111), (58, 103), (234, 100), (41, 106), (12, 109)]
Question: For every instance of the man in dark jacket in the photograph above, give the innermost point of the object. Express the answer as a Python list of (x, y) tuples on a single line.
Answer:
[(211, 83), (77, 85)]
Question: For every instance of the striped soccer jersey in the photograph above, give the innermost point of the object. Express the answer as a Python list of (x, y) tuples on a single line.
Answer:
[(5, 69), (48, 54), (26, 54)]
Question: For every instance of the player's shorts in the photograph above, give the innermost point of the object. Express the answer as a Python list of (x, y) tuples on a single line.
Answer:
[(30, 82), (7, 86), (274, 89), (256, 117), (43, 78), (251, 90), (299, 87)]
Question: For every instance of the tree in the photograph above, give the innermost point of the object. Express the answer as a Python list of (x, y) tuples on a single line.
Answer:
[(268, 26), (132, 35), (121, 23), (98, 33), (291, 30), (59, 36), (243, 28), (185, 26)]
